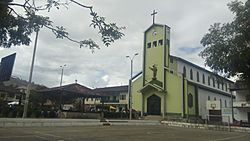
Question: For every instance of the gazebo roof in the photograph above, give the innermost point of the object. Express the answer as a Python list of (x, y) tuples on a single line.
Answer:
[(70, 90)]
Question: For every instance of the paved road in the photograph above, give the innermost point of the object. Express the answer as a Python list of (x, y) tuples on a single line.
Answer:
[(117, 133)]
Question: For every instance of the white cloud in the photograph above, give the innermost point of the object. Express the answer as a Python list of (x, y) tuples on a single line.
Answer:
[(189, 21)]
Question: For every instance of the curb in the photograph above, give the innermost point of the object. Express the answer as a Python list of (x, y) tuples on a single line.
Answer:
[(205, 126)]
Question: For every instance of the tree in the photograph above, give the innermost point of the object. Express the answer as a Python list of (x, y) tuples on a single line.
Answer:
[(227, 46), (16, 28)]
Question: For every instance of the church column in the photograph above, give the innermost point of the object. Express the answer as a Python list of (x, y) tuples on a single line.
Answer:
[(164, 105), (142, 103)]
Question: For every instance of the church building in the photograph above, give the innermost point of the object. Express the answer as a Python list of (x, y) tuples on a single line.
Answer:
[(172, 86)]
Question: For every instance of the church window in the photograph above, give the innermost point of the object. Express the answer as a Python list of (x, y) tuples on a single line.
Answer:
[(191, 74), (184, 71), (198, 76), (218, 84), (222, 86), (154, 43), (225, 103), (190, 100), (208, 80), (208, 97), (160, 42), (213, 83), (203, 79), (149, 45), (214, 98), (171, 60), (226, 86)]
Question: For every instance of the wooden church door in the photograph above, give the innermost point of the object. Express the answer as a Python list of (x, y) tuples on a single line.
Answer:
[(154, 105)]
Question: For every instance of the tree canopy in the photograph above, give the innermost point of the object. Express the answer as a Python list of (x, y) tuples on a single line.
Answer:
[(16, 28), (227, 45)]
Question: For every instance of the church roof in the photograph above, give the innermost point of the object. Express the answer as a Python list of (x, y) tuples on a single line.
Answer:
[(199, 67), (155, 24)]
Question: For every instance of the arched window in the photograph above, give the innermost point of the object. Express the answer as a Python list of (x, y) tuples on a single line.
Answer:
[(213, 83), (190, 100), (184, 72), (203, 79), (226, 86), (198, 76), (191, 74), (218, 84), (222, 86)]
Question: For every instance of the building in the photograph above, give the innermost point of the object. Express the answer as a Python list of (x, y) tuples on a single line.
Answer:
[(174, 87), (115, 97), (91, 100), (242, 102)]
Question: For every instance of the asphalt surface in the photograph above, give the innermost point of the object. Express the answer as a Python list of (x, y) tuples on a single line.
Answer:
[(117, 133)]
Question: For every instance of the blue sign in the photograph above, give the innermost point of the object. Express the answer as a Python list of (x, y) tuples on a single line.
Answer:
[(6, 67)]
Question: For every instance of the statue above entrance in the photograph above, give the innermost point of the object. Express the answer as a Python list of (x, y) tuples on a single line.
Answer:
[(154, 69)]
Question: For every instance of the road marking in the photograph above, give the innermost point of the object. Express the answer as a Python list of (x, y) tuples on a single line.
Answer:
[(228, 138)]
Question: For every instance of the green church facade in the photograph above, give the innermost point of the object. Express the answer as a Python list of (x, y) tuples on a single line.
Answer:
[(164, 87)]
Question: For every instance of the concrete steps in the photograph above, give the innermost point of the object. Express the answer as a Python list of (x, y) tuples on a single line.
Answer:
[(153, 117)]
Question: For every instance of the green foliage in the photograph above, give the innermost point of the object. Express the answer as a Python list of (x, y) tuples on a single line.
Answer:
[(227, 46), (16, 29)]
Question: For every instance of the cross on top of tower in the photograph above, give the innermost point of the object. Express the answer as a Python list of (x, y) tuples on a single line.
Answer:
[(153, 14)]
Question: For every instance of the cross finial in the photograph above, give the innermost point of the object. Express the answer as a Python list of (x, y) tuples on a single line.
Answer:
[(153, 14)]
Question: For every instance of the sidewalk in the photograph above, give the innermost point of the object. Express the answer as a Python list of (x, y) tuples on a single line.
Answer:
[(31, 122)]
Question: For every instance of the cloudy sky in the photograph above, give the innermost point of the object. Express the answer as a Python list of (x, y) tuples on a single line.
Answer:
[(189, 21)]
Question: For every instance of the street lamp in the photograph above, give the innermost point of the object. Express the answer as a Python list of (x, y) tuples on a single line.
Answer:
[(62, 74), (61, 85), (130, 84), (26, 102)]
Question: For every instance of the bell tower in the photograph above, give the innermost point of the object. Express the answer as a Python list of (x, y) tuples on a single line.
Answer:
[(156, 53)]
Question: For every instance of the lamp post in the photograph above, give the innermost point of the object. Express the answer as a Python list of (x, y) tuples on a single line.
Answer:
[(62, 74), (61, 85), (130, 84), (26, 102)]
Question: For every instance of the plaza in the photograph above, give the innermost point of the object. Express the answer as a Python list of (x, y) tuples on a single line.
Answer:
[(121, 133)]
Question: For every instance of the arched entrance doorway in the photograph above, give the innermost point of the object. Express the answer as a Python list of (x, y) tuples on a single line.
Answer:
[(154, 105)]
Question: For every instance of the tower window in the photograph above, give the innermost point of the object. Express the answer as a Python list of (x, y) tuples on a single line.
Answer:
[(222, 86), (160, 42), (168, 42), (226, 86), (155, 44), (218, 84), (149, 45), (208, 97)]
